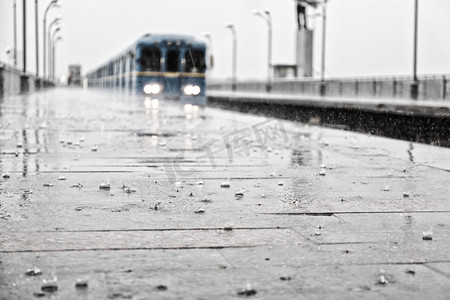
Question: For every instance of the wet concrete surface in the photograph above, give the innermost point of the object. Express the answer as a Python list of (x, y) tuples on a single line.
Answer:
[(310, 213)]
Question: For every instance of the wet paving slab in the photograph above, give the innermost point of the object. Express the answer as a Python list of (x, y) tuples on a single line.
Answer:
[(180, 274), (137, 199)]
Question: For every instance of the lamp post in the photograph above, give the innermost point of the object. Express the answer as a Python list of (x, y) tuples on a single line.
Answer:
[(24, 80), (58, 38), (267, 17), (207, 35), (414, 88), (24, 4), (51, 54), (37, 37), (231, 27), (55, 21), (322, 65), (50, 5), (15, 32)]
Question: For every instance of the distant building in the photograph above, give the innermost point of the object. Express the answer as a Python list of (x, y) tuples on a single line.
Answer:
[(74, 77), (285, 71)]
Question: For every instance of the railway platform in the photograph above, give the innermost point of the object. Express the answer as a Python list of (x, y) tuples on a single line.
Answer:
[(424, 121), (408, 107), (106, 196)]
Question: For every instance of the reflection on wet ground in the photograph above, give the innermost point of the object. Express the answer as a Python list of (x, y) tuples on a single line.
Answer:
[(23, 131), (139, 184)]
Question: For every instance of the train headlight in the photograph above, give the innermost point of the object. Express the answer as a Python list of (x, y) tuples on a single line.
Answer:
[(195, 90), (191, 90), (188, 90), (152, 88), (148, 89)]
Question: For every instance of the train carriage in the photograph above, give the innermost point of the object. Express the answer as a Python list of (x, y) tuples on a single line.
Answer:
[(159, 66)]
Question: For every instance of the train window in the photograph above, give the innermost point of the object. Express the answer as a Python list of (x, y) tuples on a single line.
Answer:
[(151, 59), (195, 61), (131, 58), (173, 57)]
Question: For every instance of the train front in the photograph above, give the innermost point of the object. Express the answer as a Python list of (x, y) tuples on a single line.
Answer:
[(172, 67)]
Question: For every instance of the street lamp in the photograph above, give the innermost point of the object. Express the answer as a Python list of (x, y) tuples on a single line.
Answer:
[(322, 66), (49, 30), (266, 16), (207, 35), (24, 6), (37, 37), (50, 5), (58, 38), (414, 88), (231, 27), (15, 32), (51, 54)]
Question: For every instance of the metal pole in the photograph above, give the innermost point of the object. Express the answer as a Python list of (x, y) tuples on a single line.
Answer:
[(37, 38), (210, 60), (44, 43), (210, 49), (233, 85), (414, 88), (211, 55), (44, 56), (51, 49), (49, 29), (15, 32), (322, 67), (24, 36), (444, 87), (53, 60), (269, 51), (267, 17), (54, 55), (234, 51), (324, 21), (269, 58), (49, 53), (415, 39), (50, 59)]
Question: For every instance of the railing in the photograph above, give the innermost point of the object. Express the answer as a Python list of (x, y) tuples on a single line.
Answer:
[(431, 87), (14, 81), (9, 80)]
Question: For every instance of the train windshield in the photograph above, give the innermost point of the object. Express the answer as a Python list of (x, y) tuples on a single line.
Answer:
[(173, 57), (151, 59), (195, 61)]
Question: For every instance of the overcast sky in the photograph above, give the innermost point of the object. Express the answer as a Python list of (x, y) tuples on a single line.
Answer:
[(364, 37)]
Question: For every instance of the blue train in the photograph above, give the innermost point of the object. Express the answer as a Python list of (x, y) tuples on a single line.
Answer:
[(160, 66)]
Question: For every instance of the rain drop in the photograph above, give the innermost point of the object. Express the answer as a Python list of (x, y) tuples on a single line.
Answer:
[(225, 184), (33, 272), (105, 186)]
